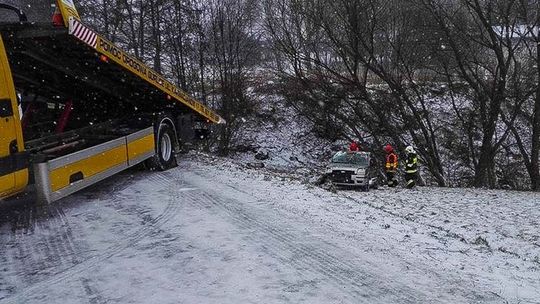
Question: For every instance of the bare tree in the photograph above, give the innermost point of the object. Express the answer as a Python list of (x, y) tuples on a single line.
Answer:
[(233, 42), (482, 53), (350, 45), (526, 128)]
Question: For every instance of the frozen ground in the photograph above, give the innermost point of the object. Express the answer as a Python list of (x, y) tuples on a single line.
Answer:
[(286, 137), (213, 232)]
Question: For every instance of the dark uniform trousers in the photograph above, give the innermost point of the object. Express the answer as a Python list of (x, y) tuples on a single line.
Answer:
[(411, 170)]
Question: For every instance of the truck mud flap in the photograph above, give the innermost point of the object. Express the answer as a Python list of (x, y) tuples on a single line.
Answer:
[(65, 175)]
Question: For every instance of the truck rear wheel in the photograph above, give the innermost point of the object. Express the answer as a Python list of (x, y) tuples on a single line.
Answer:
[(165, 157)]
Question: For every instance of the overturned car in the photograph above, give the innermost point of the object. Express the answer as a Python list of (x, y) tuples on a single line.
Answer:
[(352, 169)]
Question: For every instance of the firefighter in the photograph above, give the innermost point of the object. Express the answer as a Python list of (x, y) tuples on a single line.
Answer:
[(354, 147), (391, 166), (411, 167)]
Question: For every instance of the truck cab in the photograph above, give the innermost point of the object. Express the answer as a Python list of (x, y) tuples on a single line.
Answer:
[(13, 158)]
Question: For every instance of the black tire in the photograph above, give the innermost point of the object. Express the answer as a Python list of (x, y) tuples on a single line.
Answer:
[(165, 157)]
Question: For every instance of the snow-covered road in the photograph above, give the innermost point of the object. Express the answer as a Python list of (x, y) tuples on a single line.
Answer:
[(212, 232)]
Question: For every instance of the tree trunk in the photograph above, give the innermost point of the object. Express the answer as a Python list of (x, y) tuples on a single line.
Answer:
[(535, 147), (156, 33), (485, 169)]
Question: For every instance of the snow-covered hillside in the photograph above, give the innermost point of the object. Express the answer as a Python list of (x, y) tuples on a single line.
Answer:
[(286, 138)]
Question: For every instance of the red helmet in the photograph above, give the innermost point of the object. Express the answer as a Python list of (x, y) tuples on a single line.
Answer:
[(388, 148)]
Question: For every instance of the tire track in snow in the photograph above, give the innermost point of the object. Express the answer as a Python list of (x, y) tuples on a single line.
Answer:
[(456, 235), (94, 297), (150, 226), (326, 259), (30, 252), (282, 243), (286, 244)]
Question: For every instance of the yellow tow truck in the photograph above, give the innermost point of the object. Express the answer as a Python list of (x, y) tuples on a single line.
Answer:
[(76, 109)]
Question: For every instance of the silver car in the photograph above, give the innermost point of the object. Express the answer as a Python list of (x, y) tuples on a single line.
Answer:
[(351, 169)]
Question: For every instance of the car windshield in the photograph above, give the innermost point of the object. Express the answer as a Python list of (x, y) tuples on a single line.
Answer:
[(350, 158)]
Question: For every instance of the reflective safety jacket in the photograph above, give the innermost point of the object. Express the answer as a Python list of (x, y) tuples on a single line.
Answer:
[(411, 163), (391, 162)]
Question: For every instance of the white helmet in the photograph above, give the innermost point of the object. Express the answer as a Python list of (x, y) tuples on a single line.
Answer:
[(410, 150)]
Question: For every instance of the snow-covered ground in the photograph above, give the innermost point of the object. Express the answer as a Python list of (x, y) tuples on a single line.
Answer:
[(285, 136), (211, 231)]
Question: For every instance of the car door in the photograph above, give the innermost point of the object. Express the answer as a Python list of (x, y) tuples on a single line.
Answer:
[(13, 171)]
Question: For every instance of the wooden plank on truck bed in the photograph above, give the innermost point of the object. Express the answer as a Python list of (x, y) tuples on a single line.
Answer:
[(135, 66)]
